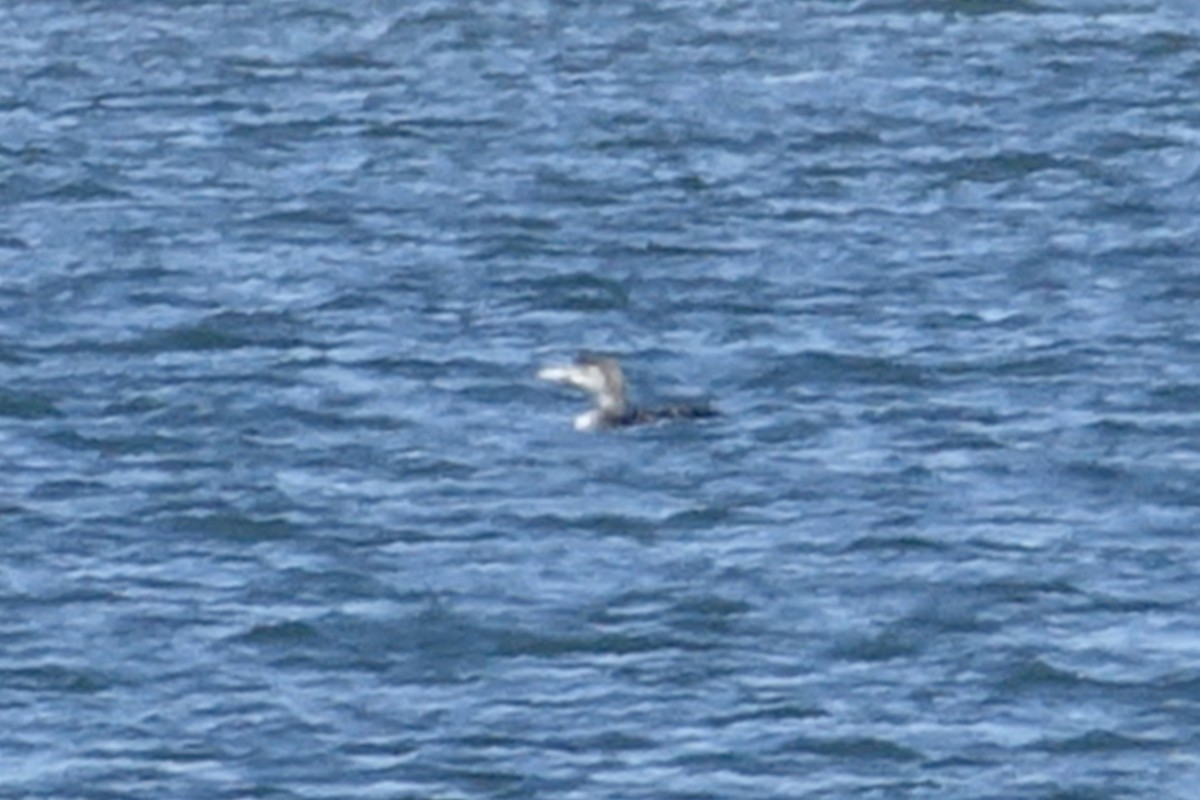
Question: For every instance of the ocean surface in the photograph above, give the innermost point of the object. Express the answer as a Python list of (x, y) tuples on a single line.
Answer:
[(285, 513)]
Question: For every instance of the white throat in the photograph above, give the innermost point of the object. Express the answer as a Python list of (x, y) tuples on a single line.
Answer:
[(588, 421)]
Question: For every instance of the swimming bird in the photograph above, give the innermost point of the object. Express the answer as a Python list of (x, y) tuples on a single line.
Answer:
[(601, 376)]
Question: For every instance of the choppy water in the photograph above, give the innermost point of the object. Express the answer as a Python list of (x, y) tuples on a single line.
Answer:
[(285, 514)]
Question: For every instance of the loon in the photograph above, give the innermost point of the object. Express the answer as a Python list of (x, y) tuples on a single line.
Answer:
[(601, 376)]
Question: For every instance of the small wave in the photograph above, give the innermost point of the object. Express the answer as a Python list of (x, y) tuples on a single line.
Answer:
[(1100, 741), (854, 747), (28, 406)]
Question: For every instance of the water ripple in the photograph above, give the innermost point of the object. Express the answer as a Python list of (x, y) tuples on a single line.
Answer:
[(287, 512)]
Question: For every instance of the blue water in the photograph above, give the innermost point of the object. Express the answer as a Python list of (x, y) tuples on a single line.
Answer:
[(285, 513)]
